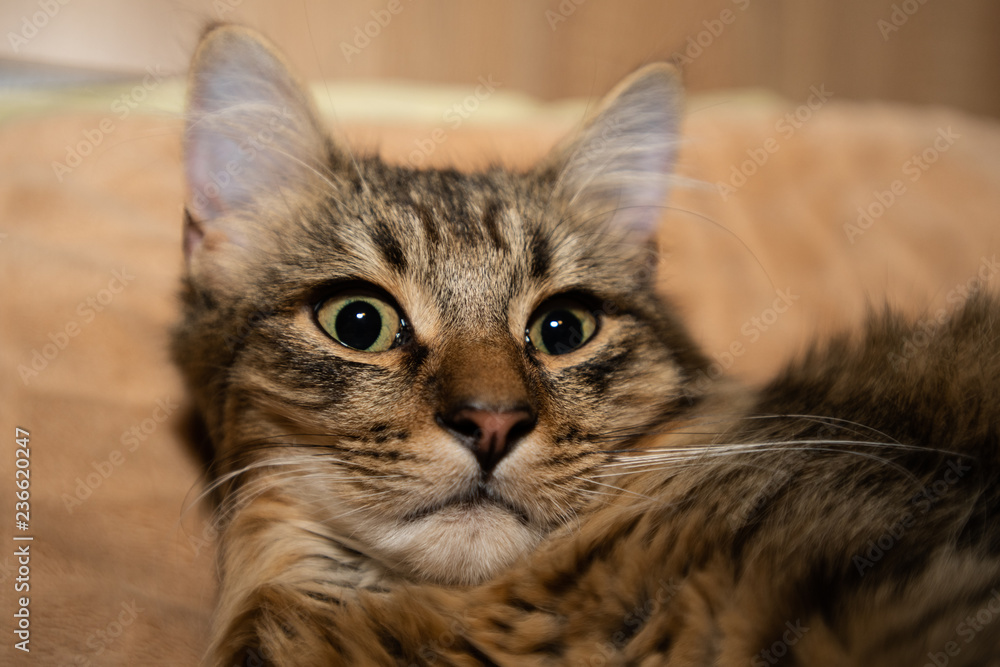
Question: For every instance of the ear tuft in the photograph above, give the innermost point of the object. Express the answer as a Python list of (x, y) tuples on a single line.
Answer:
[(618, 167)]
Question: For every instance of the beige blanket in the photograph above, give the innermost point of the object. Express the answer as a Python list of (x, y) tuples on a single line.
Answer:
[(823, 210)]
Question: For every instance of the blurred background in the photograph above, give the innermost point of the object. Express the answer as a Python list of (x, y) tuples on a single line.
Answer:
[(920, 51)]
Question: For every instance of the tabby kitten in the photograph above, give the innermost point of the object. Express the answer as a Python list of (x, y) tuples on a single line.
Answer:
[(453, 422)]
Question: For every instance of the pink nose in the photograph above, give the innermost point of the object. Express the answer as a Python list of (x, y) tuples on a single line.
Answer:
[(490, 434)]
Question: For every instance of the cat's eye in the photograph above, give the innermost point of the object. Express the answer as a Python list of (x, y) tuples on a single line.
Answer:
[(360, 321), (561, 326)]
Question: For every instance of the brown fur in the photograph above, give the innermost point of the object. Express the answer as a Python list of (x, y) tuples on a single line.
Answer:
[(342, 544)]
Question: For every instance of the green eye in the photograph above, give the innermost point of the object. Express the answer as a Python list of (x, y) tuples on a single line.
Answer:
[(360, 321), (561, 327)]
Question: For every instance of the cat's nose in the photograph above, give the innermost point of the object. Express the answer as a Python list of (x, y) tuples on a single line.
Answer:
[(490, 434)]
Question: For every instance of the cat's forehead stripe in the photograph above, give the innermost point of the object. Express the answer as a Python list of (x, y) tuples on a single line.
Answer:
[(388, 245), (427, 223), (489, 219), (541, 257)]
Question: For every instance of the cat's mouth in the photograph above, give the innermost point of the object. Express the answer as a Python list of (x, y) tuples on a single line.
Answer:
[(470, 503)]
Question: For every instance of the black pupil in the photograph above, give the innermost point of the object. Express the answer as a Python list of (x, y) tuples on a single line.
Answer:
[(358, 325), (562, 331)]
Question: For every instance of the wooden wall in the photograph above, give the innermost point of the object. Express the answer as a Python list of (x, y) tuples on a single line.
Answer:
[(929, 51)]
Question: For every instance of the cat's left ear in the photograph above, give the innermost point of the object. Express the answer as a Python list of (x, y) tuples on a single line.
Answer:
[(618, 168)]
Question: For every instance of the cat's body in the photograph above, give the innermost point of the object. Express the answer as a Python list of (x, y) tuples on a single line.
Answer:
[(516, 465)]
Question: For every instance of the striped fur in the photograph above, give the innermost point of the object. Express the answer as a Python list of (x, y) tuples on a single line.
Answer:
[(846, 514)]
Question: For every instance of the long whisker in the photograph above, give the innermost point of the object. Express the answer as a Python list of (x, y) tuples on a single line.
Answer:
[(708, 448), (718, 451)]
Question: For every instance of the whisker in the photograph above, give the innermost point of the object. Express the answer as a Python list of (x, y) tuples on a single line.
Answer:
[(622, 490), (781, 444)]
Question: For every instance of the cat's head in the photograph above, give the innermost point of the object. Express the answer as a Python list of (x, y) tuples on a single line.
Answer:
[(432, 367)]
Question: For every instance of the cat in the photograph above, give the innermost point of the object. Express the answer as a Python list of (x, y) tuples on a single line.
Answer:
[(453, 422)]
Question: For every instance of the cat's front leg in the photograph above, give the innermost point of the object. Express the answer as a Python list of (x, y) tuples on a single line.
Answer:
[(291, 595), (286, 581)]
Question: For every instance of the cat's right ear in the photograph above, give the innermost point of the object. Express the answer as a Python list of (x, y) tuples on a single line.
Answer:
[(251, 133), (617, 170)]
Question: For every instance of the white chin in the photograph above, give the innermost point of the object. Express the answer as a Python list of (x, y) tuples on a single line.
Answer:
[(460, 544)]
